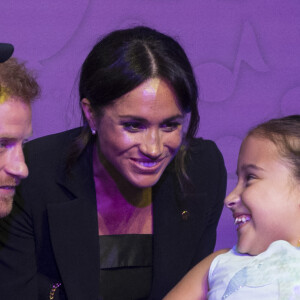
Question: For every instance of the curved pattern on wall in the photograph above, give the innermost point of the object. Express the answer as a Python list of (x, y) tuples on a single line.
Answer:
[(245, 55)]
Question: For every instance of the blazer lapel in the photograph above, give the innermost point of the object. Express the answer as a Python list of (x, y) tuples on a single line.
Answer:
[(174, 235), (73, 227)]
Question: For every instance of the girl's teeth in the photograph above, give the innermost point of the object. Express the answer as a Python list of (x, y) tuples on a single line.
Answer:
[(242, 219)]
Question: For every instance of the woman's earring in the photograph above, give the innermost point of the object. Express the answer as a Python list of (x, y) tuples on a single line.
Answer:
[(93, 131)]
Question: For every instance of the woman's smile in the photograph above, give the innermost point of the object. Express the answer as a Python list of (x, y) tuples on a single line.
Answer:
[(141, 132), (148, 165)]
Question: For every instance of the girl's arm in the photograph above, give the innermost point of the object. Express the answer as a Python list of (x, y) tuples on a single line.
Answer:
[(194, 285)]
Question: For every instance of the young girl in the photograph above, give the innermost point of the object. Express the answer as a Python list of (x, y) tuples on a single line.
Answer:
[(265, 263)]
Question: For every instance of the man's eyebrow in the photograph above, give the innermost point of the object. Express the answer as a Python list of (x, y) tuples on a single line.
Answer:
[(10, 138), (7, 138)]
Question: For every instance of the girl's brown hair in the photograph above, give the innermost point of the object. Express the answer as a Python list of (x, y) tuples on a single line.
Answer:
[(285, 134)]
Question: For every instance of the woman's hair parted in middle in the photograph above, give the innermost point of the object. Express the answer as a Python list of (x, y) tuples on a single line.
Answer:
[(123, 60)]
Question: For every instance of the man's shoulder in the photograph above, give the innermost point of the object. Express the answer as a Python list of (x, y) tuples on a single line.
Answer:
[(50, 150), (52, 143)]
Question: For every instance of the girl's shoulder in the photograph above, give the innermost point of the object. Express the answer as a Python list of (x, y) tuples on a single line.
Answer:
[(194, 285)]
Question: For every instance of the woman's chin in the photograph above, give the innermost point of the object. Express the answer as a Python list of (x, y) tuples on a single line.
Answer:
[(144, 182)]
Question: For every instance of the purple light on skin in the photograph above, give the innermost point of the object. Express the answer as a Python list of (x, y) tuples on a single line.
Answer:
[(151, 90)]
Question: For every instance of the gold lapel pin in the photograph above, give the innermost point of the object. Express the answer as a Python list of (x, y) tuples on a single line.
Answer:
[(185, 215)]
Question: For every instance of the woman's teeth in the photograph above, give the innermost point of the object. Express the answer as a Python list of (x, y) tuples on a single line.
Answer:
[(148, 164)]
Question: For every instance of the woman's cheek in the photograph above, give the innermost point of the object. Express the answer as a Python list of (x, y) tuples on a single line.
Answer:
[(174, 140)]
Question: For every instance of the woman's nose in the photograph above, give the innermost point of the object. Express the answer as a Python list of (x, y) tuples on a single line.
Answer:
[(152, 144), (233, 198)]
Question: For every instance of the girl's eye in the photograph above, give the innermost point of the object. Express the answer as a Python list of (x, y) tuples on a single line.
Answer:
[(249, 178), (133, 126), (170, 126)]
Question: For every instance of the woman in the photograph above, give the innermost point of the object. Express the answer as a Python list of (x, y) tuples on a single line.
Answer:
[(124, 206), (265, 205)]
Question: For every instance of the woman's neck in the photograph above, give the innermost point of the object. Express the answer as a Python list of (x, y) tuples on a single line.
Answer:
[(121, 207)]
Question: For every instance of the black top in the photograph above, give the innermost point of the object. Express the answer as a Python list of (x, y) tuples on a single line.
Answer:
[(52, 233), (125, 266)]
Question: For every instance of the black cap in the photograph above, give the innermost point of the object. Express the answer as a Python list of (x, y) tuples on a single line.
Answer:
[(6, 50)]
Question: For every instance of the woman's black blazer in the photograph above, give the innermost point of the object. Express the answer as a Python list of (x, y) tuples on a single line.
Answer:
[(52, 233)]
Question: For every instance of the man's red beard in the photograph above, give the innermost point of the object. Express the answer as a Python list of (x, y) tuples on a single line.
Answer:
[(6, 201)]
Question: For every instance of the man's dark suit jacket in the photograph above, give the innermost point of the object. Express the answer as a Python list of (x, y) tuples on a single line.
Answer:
[(52, 233)]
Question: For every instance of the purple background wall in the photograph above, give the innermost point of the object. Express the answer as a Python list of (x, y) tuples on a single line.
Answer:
[(246, 56)]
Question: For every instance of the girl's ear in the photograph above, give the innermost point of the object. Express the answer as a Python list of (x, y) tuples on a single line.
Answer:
[(88, 112)]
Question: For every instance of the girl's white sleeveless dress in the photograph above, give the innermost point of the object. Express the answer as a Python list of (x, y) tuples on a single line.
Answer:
[(273, 274)]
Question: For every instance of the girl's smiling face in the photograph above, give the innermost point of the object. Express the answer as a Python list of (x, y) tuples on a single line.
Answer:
[(266, 200), (141, 132)]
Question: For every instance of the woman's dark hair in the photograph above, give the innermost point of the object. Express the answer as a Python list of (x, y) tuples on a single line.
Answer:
[(123, 60), (285, 134)]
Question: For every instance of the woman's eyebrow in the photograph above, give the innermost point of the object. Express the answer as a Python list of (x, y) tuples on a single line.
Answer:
[(132, 117), (137, 118), (176, 117)]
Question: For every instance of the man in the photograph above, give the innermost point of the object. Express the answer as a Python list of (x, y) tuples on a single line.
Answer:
[(18, 89)]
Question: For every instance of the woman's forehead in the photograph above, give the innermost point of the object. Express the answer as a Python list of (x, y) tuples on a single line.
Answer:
[(152, 95)]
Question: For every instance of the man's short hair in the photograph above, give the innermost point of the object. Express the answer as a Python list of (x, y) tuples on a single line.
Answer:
[(17, 82)]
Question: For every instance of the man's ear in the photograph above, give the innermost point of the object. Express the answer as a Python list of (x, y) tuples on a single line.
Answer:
[(88, 112)]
